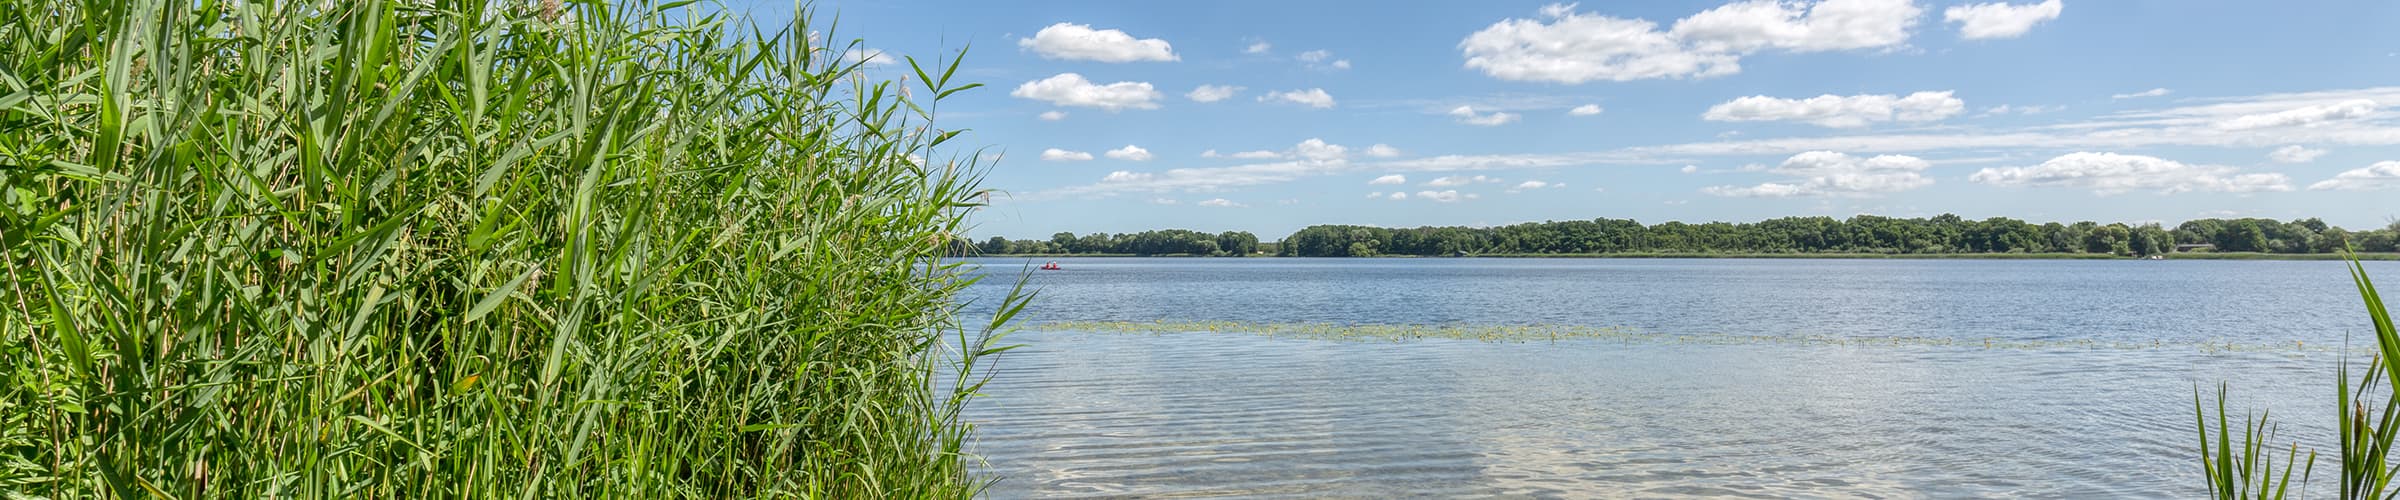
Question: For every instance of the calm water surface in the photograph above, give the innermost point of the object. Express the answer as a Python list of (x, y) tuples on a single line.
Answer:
[(1099, 414)]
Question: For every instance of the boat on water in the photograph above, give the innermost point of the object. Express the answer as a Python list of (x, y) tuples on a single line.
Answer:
[(1051, 266)]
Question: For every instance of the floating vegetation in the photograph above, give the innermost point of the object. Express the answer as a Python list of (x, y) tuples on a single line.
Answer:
[(1555, 333)]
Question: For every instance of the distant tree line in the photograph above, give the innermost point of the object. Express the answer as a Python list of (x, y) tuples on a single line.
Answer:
[(1161, 242), (1860, 234)]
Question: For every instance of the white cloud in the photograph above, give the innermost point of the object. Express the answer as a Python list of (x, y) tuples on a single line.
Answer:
[(1221, 202), (1258, 48), (1315, 149), (1053, 115), (1377, 194), (1165, 201), (1443, 196), (1055, 154), (1467, 115), (867, 56), (2294, 154), (1070, 89), (1584, 110), (2000, 20), (1689, 169), (1840, 111), (1533, 185), (1389, 179), (1382, 151), (1213, 93), (1314, 98), (2146, 93), (2112, 173), (1827, 173), (2303, 116), (1257, 155), (2005, 109), (1566, 46), (1322, 59), (1399, 196), (1129, 153), (1825, 26), (2381, 175), (1461, 180), (1124, 176), (1081, 42)]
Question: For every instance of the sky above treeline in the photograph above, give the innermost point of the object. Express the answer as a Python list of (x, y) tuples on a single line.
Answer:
[(1270, 116)]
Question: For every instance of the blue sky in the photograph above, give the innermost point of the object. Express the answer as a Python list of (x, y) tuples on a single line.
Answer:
[(1351, 112)]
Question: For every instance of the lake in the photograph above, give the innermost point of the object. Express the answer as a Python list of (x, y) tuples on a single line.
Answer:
[(2094, 403)]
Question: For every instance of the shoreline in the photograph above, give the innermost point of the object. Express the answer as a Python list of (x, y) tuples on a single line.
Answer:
[(1853, 256)]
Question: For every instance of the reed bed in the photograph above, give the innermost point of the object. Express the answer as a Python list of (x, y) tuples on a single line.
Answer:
[(474, 249), (1560, 333)]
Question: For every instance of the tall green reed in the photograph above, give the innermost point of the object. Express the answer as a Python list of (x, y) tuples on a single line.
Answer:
[(2247, 468), (464, 248)]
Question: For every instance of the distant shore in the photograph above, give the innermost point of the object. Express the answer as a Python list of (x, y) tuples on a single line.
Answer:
[(2381, 256)]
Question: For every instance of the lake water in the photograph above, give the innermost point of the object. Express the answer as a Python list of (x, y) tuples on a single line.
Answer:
[(1111, 414)]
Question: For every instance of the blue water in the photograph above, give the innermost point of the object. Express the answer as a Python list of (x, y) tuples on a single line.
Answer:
[(1102, 414)]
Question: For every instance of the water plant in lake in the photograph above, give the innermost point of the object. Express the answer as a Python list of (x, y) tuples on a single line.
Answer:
[(473, 249), (2247, 468), (1542, 332)]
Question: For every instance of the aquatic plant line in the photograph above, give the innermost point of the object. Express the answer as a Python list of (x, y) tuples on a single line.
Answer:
[(2248, 467), (475, 249), (1620, 334)]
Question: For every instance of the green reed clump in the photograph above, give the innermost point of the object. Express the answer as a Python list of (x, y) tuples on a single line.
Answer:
[(2239, 469), (467, 248)]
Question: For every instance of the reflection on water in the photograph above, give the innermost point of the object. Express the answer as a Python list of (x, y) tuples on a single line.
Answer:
[(1079, 414)]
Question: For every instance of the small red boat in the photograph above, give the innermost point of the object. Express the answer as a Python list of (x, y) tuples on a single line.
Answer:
[(1050, 266)]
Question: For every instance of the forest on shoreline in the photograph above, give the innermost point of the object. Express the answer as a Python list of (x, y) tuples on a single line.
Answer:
[(1858, 236)]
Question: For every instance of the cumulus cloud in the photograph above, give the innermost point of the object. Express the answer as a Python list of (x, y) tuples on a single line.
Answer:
[(2294, 154), (1533, 185), (1389, 179), (1840, 111), (1260, 47), (1467, 115), (2000, 20), (2381, 175), (2302, 116), (1315, 149), (1124, 176), (2112, 173), (1129, 153), (1689, 169), (1314, 98), (2161, 91), (1070, 89), (1831, 174), (1398, 196), (1055, 154), (1081, 42), (1584, 110), (2005, 109), (867, 56), (1213, 93), (1565, 46), (1256, 155), (1382, 151), (1165, 201), (1221, 202), (1443, 196), (1461, 180), (1053, 115)]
